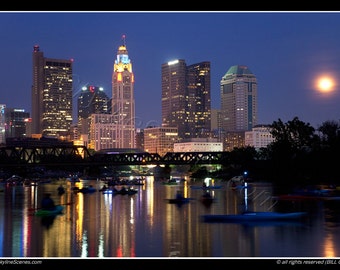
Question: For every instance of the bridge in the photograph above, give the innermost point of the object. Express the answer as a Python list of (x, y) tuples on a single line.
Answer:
[(81, 156)]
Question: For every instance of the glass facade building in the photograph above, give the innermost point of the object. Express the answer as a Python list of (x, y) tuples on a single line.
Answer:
[(51, 95), (186, 101), (238, 100)]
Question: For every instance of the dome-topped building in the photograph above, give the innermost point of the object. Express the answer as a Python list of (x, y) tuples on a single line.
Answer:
[(238, 99)]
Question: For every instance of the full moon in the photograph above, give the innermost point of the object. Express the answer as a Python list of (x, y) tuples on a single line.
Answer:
[(325, 84)]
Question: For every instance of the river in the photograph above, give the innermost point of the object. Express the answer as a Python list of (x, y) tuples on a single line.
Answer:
[(146, 225)]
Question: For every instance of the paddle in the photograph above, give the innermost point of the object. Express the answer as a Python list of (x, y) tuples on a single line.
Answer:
[(38, 208)]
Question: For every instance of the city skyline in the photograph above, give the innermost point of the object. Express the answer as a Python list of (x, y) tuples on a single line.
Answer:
[(286, 51)]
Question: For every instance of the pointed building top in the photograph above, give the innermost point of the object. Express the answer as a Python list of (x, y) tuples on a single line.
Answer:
[(122, 48), (123, 40), (123, 61)]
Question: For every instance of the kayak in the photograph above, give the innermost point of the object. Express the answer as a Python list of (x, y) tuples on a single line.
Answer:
[(58, 210), (254, 216), (179, 201), (128, 191)]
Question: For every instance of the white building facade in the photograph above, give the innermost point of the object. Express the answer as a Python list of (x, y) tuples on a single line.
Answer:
[(199, 145), (259, 136)]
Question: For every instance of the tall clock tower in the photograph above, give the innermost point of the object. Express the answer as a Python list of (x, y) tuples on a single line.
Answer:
[(123, 102)]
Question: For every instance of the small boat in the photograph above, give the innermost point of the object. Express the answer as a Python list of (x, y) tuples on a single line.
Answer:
[(128, 191), (123, 191), (87, 189), (42, 212), (300, 197), (179, 200), (253, 217), (171, 182)]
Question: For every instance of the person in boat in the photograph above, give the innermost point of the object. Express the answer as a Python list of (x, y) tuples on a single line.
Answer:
[(47, 202), (179, 195), (61, 189)]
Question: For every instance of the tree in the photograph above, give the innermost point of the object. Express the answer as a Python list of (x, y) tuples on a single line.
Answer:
[(292, 141), (330, 133), (328, 150), (295, 133)]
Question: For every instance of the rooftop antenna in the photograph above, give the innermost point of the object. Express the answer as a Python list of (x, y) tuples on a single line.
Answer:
[(123, 39)]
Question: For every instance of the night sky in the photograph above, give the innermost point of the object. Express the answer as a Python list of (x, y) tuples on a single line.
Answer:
[(287, 52)]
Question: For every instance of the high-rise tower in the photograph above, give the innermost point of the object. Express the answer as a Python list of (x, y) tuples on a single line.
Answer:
[(199, 100), (123, 102), (51, 95), (186, 102), (174, 102), (238, 99), (92, 99)]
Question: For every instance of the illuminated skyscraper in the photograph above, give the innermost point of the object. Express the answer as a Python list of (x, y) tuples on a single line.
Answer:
[(186, 102), (92, 99), (199, 100), (123, 101), (51, 95), (238, 100)]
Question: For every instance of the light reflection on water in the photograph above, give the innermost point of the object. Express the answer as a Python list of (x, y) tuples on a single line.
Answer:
[(101, 225)]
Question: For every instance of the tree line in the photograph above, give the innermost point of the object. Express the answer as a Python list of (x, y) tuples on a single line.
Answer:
[(299, 154)]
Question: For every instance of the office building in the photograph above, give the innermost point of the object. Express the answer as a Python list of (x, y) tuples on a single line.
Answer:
[(15, 122), (199, 100), (92, 99), (216, 127), (199, 145), (259, 137), (232, 140), (123, 101), (51, 95), (160, 139), (103, 132), (186, 101), (140, 138), (238, 100)]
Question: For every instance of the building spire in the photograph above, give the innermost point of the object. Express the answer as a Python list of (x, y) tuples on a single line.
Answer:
[(123, 40)]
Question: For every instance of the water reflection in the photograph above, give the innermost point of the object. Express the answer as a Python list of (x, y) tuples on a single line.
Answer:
[(97, 225)]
